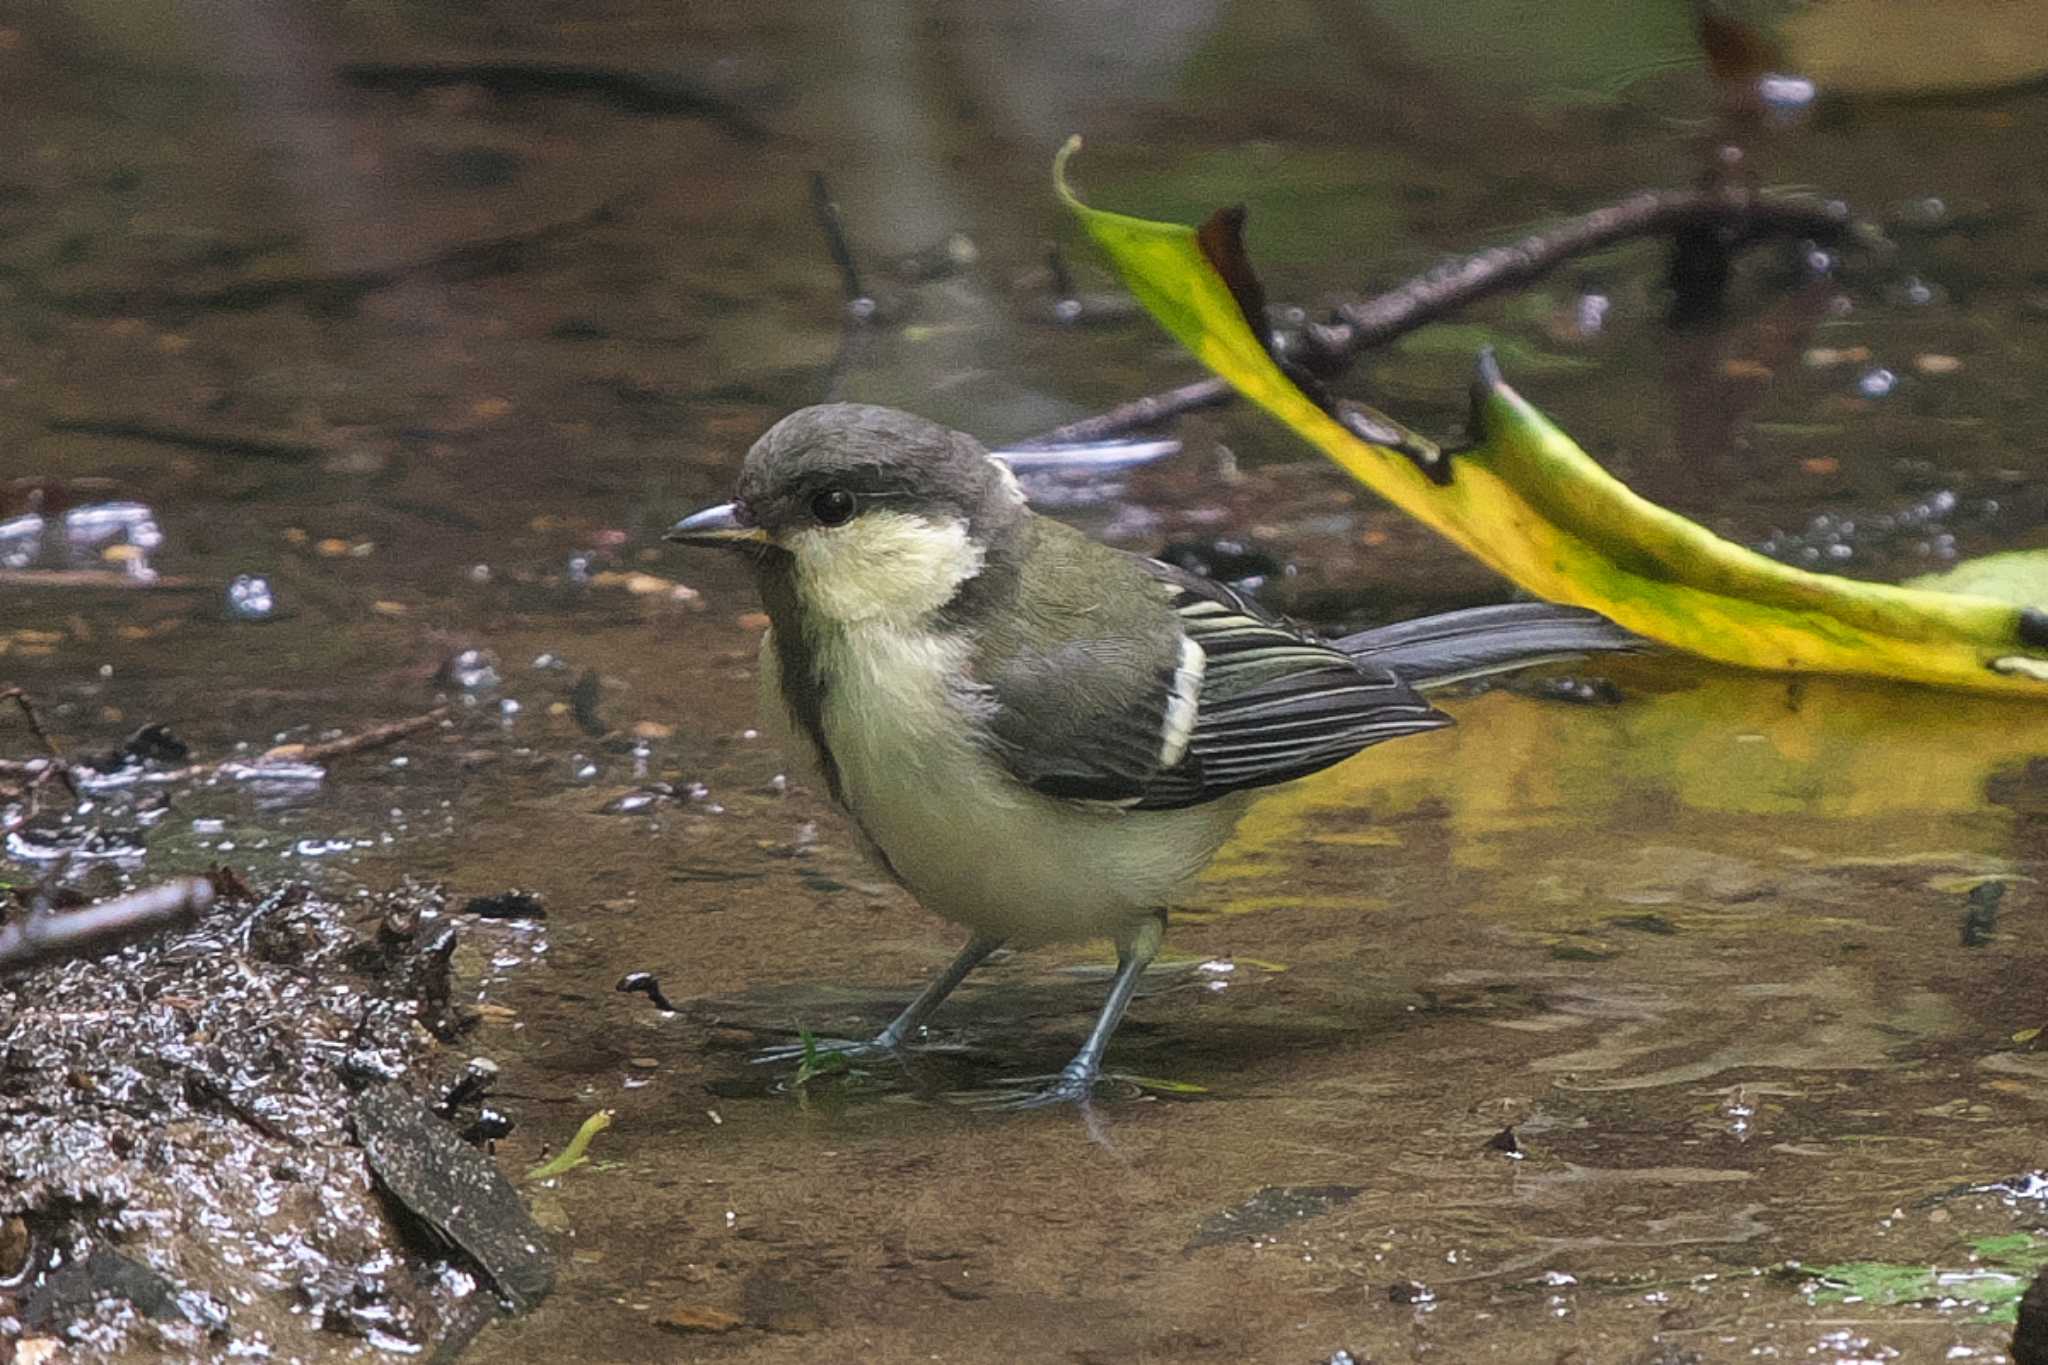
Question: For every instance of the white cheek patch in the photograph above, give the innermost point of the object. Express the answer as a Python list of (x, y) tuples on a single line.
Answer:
[(883, 565)]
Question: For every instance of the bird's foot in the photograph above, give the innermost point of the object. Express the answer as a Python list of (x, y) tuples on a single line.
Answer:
[(1071, 1086), (815, 1050)]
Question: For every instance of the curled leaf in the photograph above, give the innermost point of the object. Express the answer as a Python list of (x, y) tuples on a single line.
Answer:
[(1526, 501)]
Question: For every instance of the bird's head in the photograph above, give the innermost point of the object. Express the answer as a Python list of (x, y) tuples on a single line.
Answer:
[(870, 512)]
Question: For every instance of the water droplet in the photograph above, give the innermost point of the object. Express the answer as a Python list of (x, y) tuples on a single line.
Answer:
[(250, 598)]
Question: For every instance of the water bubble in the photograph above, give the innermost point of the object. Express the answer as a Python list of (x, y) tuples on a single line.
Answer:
[(1591, 313), (250, 598), (1784, 93), (474, 670)]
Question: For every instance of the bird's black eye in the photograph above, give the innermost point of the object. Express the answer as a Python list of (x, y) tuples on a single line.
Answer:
[(833, 507)]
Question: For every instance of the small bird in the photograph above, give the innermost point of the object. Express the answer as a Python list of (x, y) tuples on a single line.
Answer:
[(1042, 738)]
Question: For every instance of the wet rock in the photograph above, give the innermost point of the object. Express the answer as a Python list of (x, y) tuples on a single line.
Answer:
[(71, 1290), (1410, 1291), (585, 697), (454, 1189), (1270, 1210), (197, 1085), (506, 905), (645, 983), (2030, 1335), (15, 1247), (1980, 917), (488, 1126), (1229, 561), (152, 743)]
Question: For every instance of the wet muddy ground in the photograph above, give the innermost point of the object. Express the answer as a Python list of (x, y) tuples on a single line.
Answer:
[(1589, 1030)]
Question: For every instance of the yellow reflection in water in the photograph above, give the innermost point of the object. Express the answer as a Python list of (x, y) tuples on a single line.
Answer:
[(1844, 767)]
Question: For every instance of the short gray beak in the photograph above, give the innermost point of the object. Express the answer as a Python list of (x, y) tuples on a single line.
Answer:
[(720, 525)]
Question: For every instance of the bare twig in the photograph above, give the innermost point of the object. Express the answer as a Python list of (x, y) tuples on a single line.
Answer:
[(57, 764), (43, 935), (1737, 218), (860, 305), (1148, 411), (93, 579), (1727, 218), (376, 737)]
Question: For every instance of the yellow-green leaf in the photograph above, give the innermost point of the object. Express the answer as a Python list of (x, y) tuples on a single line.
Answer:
[(1526, 501)]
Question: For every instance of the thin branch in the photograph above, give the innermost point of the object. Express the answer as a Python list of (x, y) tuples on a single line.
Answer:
[(376, 737), (860, 305), (1148, 411), (94, 579), (58, 765), (43, 935), (1739, 218), (1728, 218)]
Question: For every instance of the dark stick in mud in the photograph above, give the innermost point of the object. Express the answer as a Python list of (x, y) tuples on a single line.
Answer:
[(376, 737), (35, 727), (1732, 218), (44, 935)]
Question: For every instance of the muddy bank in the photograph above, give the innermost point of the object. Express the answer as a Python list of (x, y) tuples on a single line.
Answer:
[(183, 1167)]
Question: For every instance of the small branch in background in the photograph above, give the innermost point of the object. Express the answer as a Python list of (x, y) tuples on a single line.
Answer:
[(35, 727), (1734, 219), (860, 305), (1726, 220), (1139, 413), (376, 737), (94, 579), (44, 935)]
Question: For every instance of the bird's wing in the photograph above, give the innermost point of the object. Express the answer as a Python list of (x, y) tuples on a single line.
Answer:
[(1214, 695), (1276, 703)]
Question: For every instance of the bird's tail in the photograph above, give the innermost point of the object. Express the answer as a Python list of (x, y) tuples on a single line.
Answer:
[(1436, 651)]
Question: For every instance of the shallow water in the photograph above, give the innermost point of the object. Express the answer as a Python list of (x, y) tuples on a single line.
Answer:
[(437, 365)]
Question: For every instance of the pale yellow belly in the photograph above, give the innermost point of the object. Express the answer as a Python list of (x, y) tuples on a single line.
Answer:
[(972, 844)]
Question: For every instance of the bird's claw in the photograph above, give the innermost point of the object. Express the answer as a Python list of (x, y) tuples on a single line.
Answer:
[(1067, 1087), (852, 1049)]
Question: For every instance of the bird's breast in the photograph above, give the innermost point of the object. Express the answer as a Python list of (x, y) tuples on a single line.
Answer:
[(900, 724)]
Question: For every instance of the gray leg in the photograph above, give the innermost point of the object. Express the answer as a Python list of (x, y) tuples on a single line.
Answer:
[(906, 1024), (1077, 1079)]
